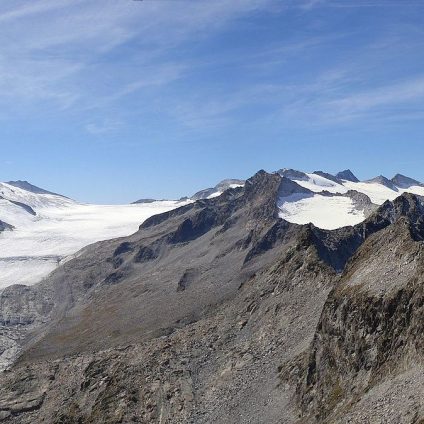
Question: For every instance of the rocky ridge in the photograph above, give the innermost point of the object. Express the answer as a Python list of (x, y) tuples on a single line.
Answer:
[(220, 311)]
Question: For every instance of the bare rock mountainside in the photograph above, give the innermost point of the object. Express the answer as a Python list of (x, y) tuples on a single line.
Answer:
[(223, 311)]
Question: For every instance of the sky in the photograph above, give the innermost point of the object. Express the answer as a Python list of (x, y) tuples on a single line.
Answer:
[(108, 101)]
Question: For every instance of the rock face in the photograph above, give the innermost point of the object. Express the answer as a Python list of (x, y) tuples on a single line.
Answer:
[(22, 309), (221, 312), (369, 338)]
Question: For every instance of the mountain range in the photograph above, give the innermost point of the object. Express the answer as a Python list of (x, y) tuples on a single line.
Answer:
[(289, 297)]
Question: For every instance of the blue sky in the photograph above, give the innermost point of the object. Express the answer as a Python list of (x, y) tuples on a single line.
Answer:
[(110, 101)]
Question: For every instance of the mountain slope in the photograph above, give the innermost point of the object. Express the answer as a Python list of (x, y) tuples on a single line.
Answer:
[(208, 289), (220, 311)]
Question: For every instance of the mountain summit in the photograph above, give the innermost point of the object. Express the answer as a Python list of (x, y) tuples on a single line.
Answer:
[(25, 185), (405, 182), (347, 175)]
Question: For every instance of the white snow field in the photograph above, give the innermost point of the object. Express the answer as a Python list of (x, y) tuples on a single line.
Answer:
[(323, 212), (337, 211), (317, 183), (60, 228)]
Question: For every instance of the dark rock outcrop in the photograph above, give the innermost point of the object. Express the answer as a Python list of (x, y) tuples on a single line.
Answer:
[(402, 181), (347, 175), (4, 226), (25, 207)]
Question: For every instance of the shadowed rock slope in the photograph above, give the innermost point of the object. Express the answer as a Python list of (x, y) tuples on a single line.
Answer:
[(218, 312)]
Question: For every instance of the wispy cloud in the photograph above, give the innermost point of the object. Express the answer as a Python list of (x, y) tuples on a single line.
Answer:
[(393, 94), (86, 55), (61, 50), (331, 102)]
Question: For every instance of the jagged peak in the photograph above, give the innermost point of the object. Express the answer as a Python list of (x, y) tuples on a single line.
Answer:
[(403, 181), (407, 205), (347, 175), (262, 183)]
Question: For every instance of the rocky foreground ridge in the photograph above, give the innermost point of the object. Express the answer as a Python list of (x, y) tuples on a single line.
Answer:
[(222, 312)]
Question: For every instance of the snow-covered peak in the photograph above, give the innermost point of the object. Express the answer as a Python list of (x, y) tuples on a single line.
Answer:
[(32, 197), (315, 182), (333, 203), (382, 180)]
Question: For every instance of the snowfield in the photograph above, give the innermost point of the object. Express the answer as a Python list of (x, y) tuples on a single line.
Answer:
[(60, 228), (331, 212), (323, 212)]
